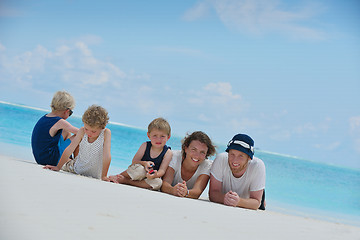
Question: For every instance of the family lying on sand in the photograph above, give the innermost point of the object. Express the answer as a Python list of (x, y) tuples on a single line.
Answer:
[(237, 178)]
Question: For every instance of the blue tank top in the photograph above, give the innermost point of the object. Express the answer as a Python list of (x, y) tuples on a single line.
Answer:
[(158, 160), (45, 148)]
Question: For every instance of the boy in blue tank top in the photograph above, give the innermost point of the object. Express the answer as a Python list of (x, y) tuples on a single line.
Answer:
[(52, 133), (151, 160)]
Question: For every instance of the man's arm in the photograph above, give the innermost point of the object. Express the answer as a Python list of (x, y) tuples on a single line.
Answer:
[(232, 198), (251, 203), (215, 192)]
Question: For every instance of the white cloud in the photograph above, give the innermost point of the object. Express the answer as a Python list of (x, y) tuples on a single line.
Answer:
[(328, 147), (216, 94), (357, 145), (198, 11), (203, 118), (2, 47), (74, 64), (221, 93), (260, 17), (280, 135), (354, 124), (355, 132), (84, 49), (243, 124), (305, 128)]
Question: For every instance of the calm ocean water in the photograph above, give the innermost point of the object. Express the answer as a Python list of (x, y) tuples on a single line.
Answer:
[(292, 185)]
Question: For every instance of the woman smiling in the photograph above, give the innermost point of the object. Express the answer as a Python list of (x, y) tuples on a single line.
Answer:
[(189, 170)]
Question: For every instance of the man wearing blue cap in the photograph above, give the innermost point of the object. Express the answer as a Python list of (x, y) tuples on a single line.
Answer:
[(237, 177)]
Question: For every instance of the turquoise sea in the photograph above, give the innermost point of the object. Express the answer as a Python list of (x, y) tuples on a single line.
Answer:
[(293, 185)]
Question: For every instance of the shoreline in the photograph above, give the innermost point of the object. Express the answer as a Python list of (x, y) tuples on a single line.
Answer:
[(42, 204)]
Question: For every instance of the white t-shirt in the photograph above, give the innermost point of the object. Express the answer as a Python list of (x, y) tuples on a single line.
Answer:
[(252, 180), (176, 161)]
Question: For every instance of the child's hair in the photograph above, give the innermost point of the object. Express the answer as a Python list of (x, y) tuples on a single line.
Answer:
[(62, 101), (160, 124), (201, 137), (96, 116)]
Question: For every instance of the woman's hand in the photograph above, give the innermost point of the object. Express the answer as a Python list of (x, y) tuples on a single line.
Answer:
[(181, 189)]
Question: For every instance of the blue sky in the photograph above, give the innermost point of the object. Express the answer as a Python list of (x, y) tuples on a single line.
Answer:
[(285, 72)]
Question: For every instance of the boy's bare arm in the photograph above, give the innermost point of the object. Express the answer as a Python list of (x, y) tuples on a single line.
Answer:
[(164, 164), (106, 154), (68, 127), (139, 154), (62, 124), (68, 151)]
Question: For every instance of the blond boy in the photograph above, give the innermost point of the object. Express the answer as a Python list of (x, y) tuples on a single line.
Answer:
[(151, 160)]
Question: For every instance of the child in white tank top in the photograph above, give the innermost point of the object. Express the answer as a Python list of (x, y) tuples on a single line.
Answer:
[(91, 147)]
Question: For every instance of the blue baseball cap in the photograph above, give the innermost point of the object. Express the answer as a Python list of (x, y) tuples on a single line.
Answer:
[(242, 143)]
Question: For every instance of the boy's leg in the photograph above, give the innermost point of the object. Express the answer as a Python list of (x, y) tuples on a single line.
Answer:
[(69, 166), (119, 178), (135, 175), (136, 172), (154, 184)]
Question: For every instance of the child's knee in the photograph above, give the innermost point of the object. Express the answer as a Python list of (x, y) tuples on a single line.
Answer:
[(69, 166), (155, 183), (136, 172)]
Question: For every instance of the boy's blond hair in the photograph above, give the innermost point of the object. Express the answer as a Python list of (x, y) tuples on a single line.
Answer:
[(62, 101), (160, 124), (96, 116)]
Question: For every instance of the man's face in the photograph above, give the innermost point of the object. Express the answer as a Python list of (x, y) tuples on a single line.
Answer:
[(237, 161)]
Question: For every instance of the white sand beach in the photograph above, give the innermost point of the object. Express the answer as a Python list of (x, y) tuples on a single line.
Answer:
[(42, 204)]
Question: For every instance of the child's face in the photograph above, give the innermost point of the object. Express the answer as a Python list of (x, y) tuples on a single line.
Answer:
[(158, 138), (92, 132)]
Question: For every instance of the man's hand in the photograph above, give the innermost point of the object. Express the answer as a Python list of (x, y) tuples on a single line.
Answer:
[(231, 199)]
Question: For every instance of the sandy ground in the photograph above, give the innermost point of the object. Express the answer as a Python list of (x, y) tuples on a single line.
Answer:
[(42, 204)]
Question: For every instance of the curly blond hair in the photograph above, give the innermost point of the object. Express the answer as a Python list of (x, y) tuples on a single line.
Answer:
[(62, 100), (96, 116)]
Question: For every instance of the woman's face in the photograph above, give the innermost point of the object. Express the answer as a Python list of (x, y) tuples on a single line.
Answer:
[(196, 152)]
